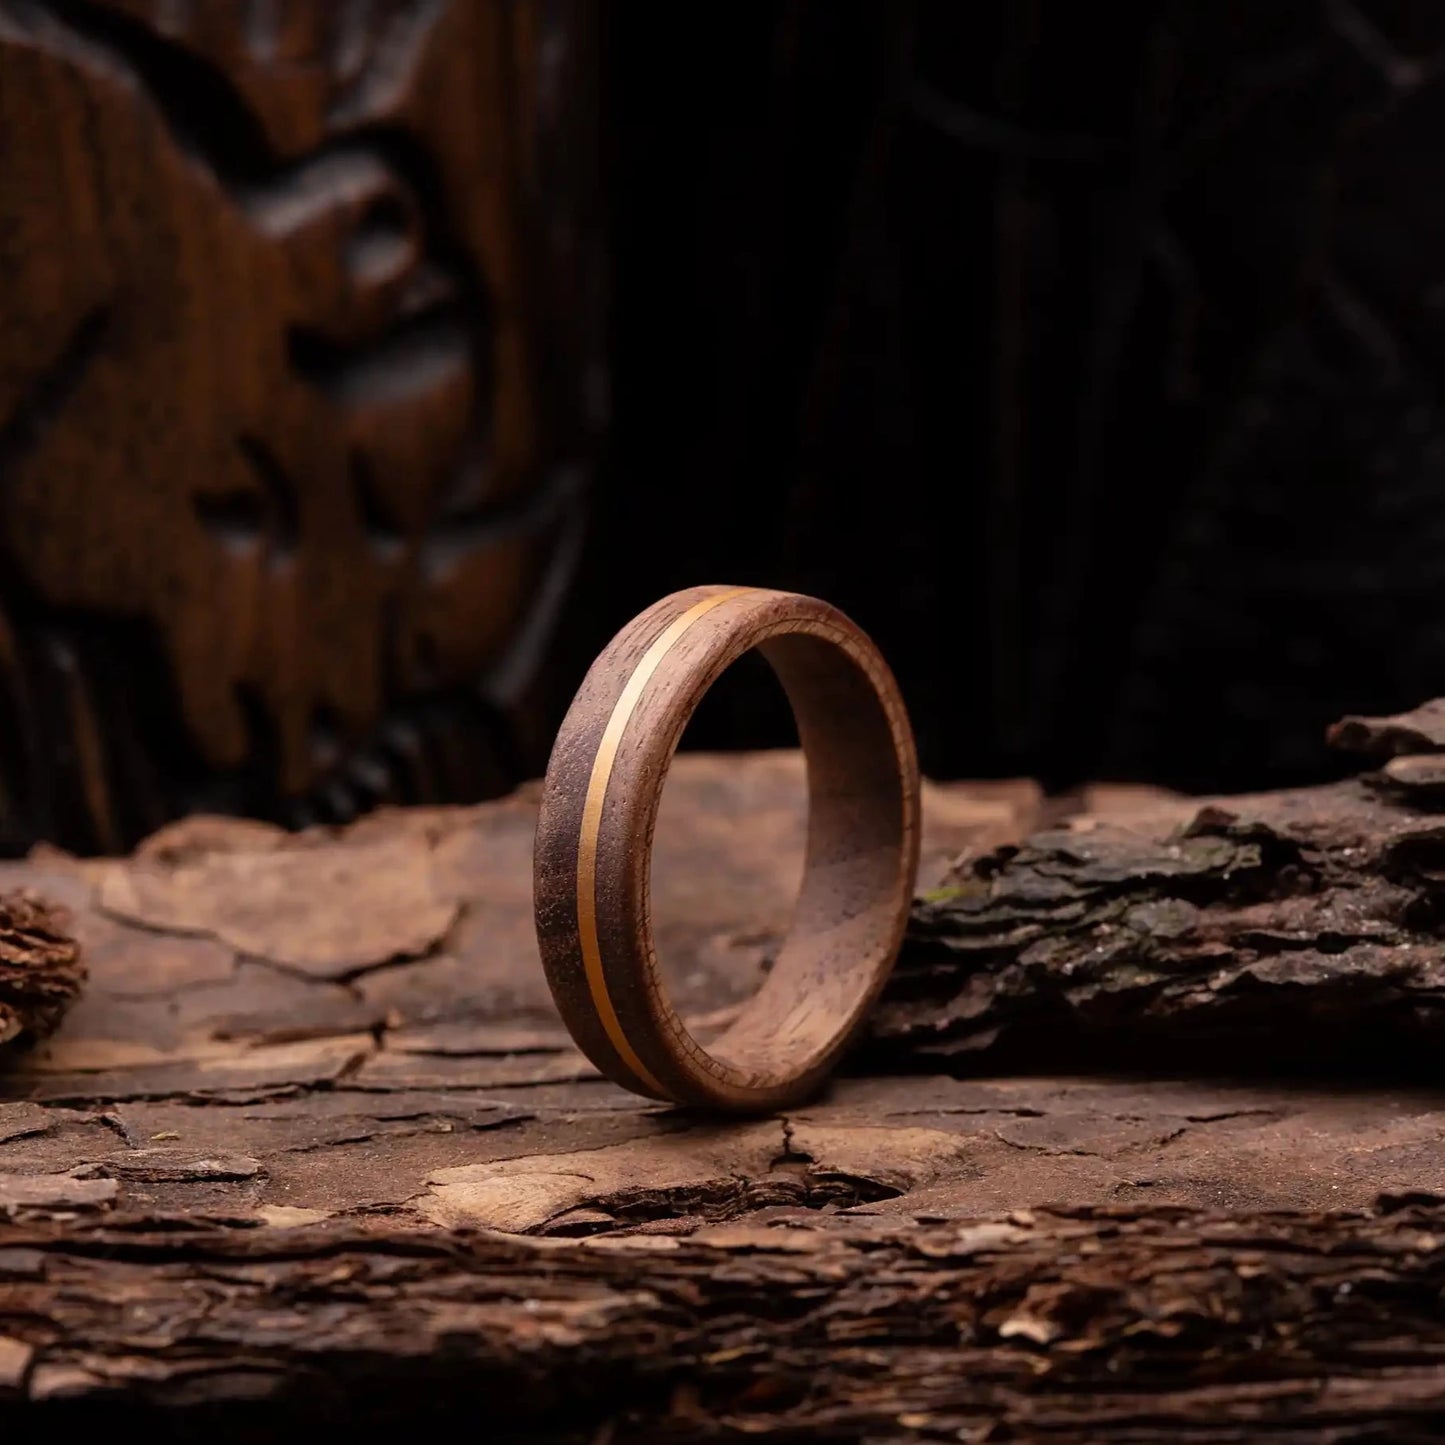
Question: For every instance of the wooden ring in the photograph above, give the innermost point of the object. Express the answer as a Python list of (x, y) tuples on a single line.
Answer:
[(593, 857)]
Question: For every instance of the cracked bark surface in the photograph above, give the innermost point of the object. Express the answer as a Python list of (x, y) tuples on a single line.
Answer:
[(1070, 1325), (312, 1147)]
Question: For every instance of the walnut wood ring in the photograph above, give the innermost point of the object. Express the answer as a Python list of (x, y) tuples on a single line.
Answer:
[(594, 847)]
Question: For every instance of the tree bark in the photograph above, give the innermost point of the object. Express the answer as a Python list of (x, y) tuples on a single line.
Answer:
[(311, 1147), (41, 971), (1074, 1326), (1298, 929)]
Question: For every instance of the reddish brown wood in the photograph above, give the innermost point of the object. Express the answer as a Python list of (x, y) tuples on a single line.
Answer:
[(298, 304)]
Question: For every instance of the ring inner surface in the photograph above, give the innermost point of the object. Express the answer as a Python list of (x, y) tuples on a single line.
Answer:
[(846, 915)]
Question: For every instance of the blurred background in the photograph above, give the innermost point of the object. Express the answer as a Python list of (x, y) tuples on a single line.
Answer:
[(364, 365)]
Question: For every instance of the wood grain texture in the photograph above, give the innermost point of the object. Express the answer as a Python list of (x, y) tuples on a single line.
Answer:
[(598, 817), (292, 354), (312, 1151)]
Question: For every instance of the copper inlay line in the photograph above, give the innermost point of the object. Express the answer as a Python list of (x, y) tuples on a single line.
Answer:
[(622, 712)]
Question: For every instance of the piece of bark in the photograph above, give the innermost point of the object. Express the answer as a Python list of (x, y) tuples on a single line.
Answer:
[(254, 1163), (1279, 930), (355, 1069), (1419, 777), (1421, 730), (55, 1193), (41, 970), (1072, 1325)]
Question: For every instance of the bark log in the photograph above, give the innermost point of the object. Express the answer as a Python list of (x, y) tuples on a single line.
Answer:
[(312, 1143), (1070, 1326), (1298, 929)]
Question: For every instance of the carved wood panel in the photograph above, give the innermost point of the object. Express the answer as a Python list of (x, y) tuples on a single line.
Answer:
[(295, 332)]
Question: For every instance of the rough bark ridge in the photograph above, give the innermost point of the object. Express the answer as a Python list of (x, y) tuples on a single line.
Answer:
[(311, 1147), (41, 971), (1072, 1326), (1294, 928)]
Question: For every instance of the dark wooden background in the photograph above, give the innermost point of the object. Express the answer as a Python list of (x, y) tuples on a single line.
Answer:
[(1092, 363), (364, 365)]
